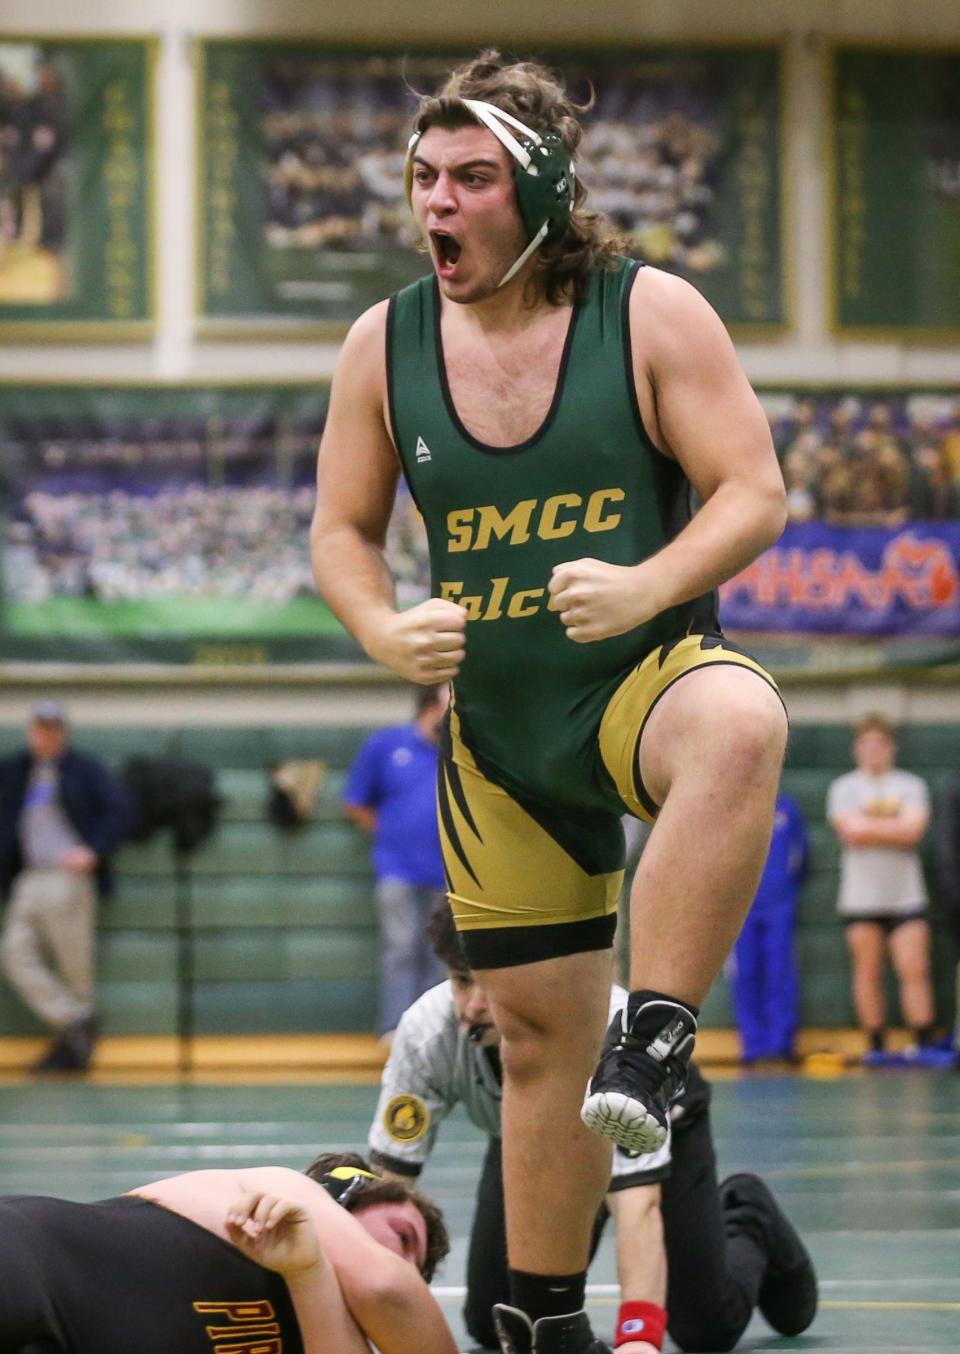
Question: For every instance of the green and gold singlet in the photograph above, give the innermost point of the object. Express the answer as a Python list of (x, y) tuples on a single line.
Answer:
[(528, 701)]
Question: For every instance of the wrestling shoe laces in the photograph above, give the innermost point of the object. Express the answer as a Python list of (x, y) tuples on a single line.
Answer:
[(642, 1069), (569, 1334)]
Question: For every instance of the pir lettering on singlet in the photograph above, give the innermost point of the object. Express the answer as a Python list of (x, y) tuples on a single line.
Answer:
[(253, 1327), (549, 519)]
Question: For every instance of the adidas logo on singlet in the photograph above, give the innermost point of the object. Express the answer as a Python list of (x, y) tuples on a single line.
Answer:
[(423, 451)]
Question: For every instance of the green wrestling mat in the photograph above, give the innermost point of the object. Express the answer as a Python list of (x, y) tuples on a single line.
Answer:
[(867, 1167)]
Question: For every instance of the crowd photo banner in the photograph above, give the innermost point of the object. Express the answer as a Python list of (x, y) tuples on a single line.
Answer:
[(871, 551), (169, 523), (76, 157), (895, 196), (303, 215)]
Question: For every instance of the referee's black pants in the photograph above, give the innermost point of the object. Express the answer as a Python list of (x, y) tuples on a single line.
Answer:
[(714, 1268)]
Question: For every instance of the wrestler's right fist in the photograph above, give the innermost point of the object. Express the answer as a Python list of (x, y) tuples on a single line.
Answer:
[(425, 644)]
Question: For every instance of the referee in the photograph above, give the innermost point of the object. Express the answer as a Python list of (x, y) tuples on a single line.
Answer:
[(693, 1257)]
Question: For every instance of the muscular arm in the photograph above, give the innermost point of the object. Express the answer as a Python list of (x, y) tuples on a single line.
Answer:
[(904, 830), (384, 1294), (391, 1302), (708, 418), (700, 411), (641, 1256), (283, 1236), (357, 472)]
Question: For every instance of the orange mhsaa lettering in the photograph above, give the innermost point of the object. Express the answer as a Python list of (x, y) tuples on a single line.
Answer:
[(921, 573)]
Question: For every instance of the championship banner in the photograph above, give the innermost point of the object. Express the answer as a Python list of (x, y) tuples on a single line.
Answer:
[(76, 147), (845, 581), (304, 222), (895, 192)]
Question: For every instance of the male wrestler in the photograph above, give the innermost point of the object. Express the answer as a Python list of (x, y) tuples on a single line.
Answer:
[(262, 1258), (693, 1257), (554, 408)]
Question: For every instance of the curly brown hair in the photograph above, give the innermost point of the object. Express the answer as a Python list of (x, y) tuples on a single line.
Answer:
[(538, 98), (382, 1191), (445, 939)]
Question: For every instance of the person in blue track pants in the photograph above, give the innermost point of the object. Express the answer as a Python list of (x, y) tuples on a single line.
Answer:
[(765, 985)]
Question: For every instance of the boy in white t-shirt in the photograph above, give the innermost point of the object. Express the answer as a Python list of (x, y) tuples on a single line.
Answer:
[(880, 815)]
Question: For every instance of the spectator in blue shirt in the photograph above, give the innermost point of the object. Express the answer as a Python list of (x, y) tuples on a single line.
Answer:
[(391, 793), (764, 981)]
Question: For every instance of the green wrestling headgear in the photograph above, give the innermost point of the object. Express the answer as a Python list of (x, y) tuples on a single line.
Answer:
[(544, 175)]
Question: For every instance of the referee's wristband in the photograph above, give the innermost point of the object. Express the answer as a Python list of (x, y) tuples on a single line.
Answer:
[(640, 1321)]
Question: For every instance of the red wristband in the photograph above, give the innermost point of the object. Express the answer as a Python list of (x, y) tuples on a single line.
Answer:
[(640, 1321)]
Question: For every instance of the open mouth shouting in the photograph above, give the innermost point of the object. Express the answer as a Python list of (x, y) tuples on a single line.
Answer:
[(446, 252)]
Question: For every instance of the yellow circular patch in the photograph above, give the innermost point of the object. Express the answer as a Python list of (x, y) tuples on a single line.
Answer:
[(406, 1118)]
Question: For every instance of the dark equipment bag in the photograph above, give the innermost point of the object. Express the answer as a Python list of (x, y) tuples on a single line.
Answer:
[(175, 793)]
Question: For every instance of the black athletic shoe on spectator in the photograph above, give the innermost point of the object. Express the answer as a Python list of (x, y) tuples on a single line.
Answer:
[(788, 1294), (642, 1070), (72, 1049), (59, 1057), (550, 1335), (81, 1037)]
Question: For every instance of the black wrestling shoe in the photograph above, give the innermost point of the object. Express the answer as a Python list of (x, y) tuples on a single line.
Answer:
[(642, 1070), (788, 1294), (550, 1335)]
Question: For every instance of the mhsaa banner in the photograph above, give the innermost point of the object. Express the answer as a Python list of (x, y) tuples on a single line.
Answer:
[(830, 580)]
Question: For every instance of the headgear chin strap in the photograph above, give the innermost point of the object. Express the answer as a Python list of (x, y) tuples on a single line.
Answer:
[(544, 175)]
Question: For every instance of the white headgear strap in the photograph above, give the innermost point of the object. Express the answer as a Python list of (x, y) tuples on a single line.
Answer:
[(493, 119)]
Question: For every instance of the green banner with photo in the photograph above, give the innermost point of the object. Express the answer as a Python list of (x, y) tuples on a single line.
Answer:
[(171, 523), (161, 523), (895, 203), (76, 150), (304, 221)]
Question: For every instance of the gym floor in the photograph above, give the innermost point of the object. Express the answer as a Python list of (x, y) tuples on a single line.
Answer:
[(866, 1165)]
